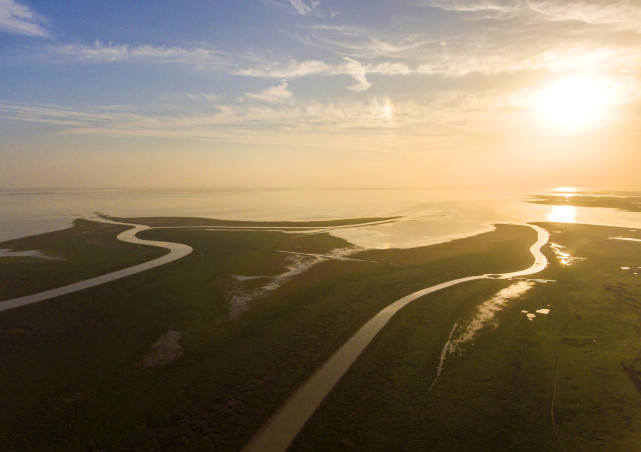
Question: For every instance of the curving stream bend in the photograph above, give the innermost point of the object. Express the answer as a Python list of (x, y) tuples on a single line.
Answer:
[(176, 251), (281, 429)]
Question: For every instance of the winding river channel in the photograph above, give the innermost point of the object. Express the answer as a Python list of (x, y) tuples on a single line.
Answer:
[(176, 251), (281, 429)]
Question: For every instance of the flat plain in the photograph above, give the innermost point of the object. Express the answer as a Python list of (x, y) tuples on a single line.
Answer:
[(72, 373)]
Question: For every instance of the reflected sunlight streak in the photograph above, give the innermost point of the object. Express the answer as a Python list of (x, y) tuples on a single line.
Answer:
[(562, 214)]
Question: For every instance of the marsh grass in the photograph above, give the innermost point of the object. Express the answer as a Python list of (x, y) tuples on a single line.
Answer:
[(85, 250), (70, 373), (496, 393)]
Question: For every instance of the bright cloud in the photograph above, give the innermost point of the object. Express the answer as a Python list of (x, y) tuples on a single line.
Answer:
[(19, 19), (473, 6), (351, 67), (301, 7), (274, 95), (357, 71), (623, 14), (292, 69)]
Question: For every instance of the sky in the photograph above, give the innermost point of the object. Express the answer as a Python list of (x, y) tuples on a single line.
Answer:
[(328, 93)]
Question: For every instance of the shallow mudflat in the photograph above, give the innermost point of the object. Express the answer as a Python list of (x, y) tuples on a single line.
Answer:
[(195, 222)]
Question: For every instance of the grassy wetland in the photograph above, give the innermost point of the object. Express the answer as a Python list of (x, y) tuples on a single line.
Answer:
[(86, 250), (73, 373), (574, 371)]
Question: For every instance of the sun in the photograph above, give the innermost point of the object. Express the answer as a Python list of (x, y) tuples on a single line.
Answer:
[(574, 103)]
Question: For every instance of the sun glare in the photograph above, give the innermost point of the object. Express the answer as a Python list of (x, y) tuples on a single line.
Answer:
[(574, 102), (562, 214), (387, 110), (567, 192), (565, 189)]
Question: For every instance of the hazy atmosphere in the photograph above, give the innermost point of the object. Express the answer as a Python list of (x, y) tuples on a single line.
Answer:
[(320, 225), (299, 93)]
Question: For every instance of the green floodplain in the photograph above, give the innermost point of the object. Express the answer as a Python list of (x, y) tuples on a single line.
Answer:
[(74, 374)]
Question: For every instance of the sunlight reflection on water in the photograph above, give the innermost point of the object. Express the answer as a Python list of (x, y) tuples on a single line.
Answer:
[(564, 257), (465, 331), (429, 215), (562, 214), (487, 311)]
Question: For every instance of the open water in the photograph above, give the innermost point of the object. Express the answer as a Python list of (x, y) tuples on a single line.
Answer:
[(429, 215)]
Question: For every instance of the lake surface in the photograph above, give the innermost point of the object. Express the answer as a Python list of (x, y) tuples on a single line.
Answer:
[(430, 215)]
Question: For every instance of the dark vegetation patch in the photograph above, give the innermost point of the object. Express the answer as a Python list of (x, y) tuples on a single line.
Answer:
[(233, 374), (496, 394)]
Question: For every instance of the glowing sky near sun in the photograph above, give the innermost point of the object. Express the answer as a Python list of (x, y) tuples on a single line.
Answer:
[(265, 93)]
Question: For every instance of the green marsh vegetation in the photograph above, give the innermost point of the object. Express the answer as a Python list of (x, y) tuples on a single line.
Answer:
[(72, 379), (71, 376), (497, 391), (83, 251)]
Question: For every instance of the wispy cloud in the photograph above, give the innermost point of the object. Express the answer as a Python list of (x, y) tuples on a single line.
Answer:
[(19, 19), (402, 125), (107, 52), (274, 95), (295, 69), (358, 42), (357, 71), (469, 58), (54, 114), (493, 60), (350, 66), (473, 6), (292, 69), (301, 7), (621, 14), (192, 97)]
